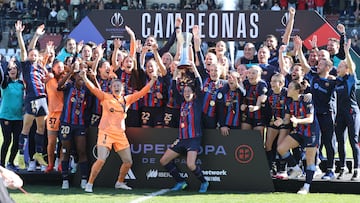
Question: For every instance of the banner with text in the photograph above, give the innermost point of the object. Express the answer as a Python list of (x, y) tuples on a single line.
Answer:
[(236, 162), (249, 26)]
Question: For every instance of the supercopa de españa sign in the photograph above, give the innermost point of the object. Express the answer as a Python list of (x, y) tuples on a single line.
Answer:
[(249, 26)]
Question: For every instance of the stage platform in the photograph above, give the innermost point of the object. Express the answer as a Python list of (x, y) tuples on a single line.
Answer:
[(344, 186)]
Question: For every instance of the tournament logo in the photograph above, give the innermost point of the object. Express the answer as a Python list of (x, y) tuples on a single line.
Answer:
[(117, 20), (244, 154), (285, 19)]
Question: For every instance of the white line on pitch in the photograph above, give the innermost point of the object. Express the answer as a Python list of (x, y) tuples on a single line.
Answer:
[(151, 195)]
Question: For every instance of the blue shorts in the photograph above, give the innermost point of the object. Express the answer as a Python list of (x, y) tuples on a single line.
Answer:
[(133, 118), (94, 120), (271, 125), (312, 141), (171, 117), (208, 122), (184, 145), (254, 122), (37, 107), (152, 116), (67, 131)]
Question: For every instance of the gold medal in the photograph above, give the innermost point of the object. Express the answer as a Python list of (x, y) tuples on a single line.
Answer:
[(212, 103), (182, 125), (77, 111), (155, 100), (227, 104), (233, 111)]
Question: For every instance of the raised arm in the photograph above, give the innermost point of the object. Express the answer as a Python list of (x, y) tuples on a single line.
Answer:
[(171, 41), (93, 89), (289, 26), (62, 82), (282, 65), (349, 62), (298, 46), (341, 54), (131, 98), (40, 30), (158, 60), (19, 27), (132, 41), (100, 55), (114, 58)]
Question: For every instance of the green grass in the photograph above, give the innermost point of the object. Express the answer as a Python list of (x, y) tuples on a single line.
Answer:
[(54, 194)]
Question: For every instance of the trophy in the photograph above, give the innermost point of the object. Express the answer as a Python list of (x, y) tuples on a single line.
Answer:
[(185, 39)]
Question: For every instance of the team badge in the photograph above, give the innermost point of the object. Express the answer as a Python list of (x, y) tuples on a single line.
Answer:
[(77, 112), (206, 89), (212, 103), (219, 95)]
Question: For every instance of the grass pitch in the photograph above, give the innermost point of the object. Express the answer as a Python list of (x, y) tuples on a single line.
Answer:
[(54, 194)]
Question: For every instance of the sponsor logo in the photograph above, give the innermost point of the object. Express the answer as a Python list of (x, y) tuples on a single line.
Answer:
[(154, 173), (130, 175), (214, 175), (244, 154), (117, 20)]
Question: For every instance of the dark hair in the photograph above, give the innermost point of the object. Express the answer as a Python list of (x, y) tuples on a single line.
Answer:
[(7, 79), (298, 86)]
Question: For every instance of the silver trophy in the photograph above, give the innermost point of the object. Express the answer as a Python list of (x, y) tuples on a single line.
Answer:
[(185, 39)]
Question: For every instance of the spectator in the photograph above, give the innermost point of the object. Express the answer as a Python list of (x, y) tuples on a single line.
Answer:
[(101, 5), (20, 5), (202, 6), (34, 4), (276, 6), (43, 11), (12, 11), (2, 10), (11, 114), (283, 4), (62, 17), (52, 19), (63, 3), (311, 5), (301, 5), (211, 5), (13, 41), (263, 5), (292, 3), (355, 44), (320, 6), (187, 5), (125, 6)]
